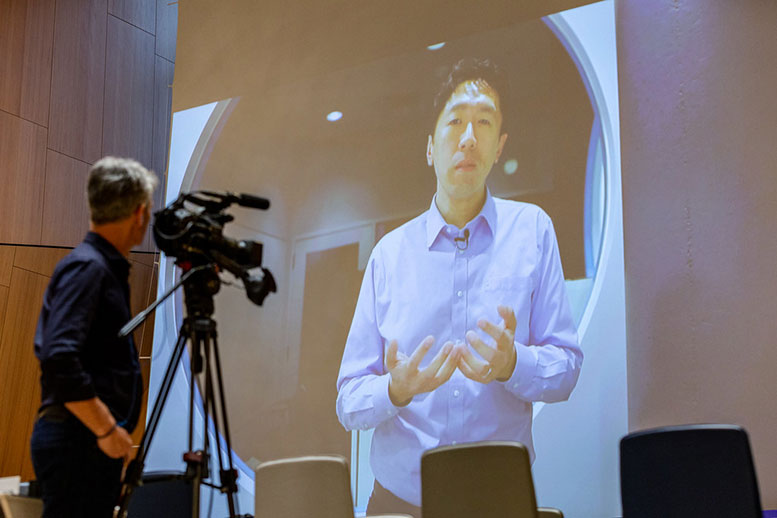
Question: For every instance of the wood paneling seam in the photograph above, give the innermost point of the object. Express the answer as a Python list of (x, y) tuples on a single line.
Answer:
[(130, 23), (31, 121)]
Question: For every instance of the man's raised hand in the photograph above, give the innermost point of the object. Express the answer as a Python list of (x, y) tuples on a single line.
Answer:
[(499, 359), (406, 378)]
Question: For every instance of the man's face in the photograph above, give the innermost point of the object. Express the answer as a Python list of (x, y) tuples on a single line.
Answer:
[(466, 140)]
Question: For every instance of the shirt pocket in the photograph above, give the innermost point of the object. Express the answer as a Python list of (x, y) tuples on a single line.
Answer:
[(513, 291)]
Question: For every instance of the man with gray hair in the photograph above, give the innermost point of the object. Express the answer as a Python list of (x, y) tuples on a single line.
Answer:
[(91, 386)]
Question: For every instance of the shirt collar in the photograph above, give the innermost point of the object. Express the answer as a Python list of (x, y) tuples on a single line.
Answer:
[(435, 223), (118, 262)]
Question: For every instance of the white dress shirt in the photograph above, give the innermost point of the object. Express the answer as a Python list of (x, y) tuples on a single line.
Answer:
[(420, 281)]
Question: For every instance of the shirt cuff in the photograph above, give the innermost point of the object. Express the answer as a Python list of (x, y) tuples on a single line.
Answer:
[(381, 402), (65, 378), (526, 359)]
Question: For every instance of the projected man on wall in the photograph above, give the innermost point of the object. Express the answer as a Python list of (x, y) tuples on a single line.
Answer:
[(462, 319)]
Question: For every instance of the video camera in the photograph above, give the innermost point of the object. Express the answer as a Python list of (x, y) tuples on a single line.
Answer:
[(194, 235)]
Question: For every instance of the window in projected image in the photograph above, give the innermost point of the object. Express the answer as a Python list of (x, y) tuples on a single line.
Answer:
[(342, 156)]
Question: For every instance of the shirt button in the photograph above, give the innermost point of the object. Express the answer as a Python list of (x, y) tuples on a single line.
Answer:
[(515, 385), (459, 293), (461, 251), (388, 412), (456, 393)]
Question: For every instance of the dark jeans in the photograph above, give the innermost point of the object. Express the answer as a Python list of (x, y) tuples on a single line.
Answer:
[(76, 478), (383, 501)]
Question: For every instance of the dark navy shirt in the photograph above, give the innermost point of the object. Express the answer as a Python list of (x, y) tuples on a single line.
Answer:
[(77, 343)]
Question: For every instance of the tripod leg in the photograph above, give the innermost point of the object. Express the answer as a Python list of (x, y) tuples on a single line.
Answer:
[(226, 477), (229, 474), (135, 469), (197, 461)]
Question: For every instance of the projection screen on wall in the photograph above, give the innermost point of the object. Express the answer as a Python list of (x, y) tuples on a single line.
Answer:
[(338, 144)]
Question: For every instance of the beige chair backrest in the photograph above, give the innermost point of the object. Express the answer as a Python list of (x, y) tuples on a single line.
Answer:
[(304, 487), (20, 507), (491, 478)]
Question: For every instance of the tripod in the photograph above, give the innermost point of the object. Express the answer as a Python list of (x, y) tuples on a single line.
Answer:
[(200, 283)]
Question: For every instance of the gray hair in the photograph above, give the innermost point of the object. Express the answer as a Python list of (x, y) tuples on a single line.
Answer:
[(116, 187)]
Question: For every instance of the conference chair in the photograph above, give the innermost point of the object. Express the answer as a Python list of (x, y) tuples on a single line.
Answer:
[(688, 471), (165, 495), (305, 487), (20, 507), (479, 479)]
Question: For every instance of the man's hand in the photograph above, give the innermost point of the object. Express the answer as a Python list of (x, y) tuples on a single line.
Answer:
[(96, 416), (500, 361), (407, 380), (117, 444)]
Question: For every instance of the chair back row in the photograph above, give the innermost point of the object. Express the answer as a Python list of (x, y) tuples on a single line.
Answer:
[(672, 472), (472, 480)]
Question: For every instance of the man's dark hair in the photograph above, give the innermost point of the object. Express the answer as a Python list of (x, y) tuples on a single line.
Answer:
[(471, 69)]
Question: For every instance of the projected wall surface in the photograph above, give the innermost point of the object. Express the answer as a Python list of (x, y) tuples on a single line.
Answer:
[(341, 155)]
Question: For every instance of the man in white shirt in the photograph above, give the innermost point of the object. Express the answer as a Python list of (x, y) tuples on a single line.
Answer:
[(462, 319)]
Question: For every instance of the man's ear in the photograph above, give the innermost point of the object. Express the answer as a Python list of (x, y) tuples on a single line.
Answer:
[(429, 151), (500, 147), (138, 215)]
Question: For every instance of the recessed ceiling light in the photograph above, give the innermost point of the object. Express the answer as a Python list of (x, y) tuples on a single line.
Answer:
[(436, 46), (511, 166), (334, 116)]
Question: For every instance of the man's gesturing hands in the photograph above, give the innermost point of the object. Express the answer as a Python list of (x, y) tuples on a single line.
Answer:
[(500, 361), (407, 380)]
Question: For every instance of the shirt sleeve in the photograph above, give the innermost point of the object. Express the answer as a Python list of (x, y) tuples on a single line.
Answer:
[(362, 384), (71, 300), (548, 367)]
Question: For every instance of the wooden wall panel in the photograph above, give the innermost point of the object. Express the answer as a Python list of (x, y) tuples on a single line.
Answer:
[(140, 13), (144, 258), (3, 305), (54, 94), (166, 28), (65, 208), (163, 99), (140, 276), (22, 165), (19, 387), (129, 92), (142, 293), (145, 369), (163, 96), (78, 79), (26, 39), (39, 260), (146, 341), (6, 263), (12, 23)]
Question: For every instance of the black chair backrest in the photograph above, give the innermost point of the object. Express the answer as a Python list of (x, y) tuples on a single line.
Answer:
[(486, 479), (688, 471), (164, 495)]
